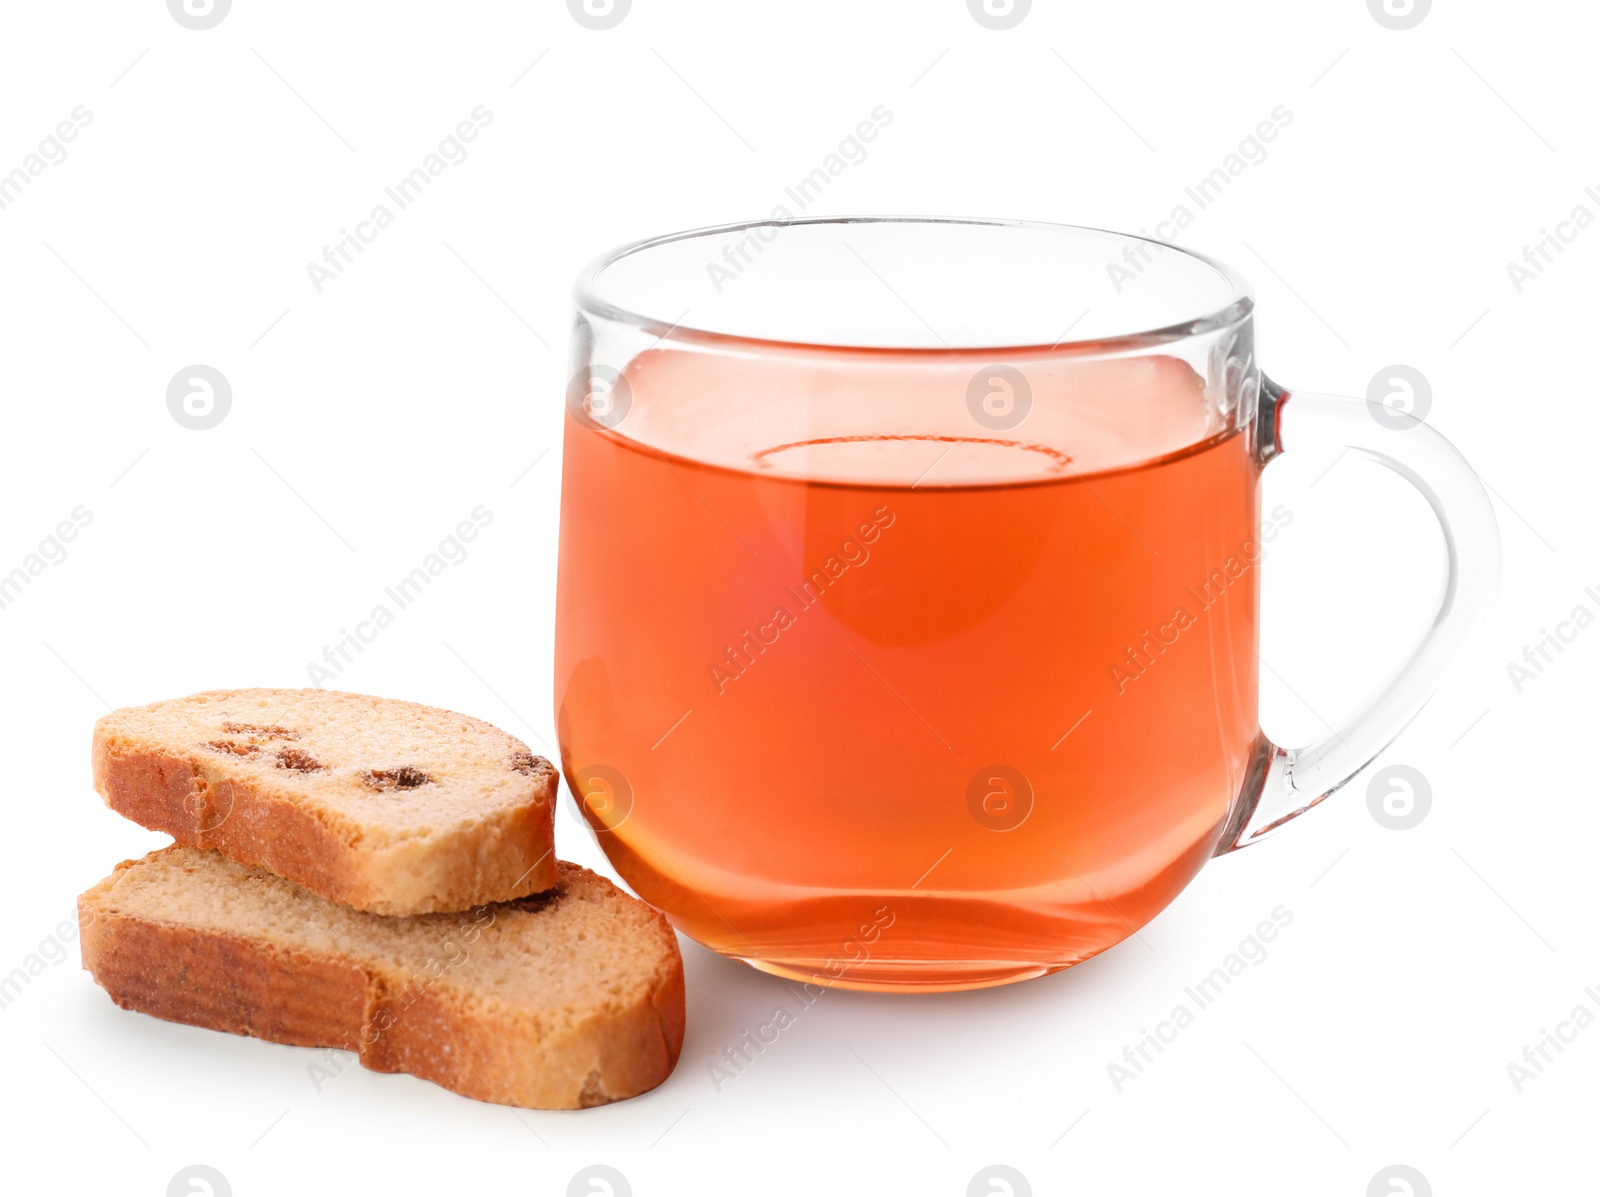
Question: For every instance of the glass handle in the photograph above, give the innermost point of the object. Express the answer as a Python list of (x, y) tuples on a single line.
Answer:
[(1289, 781)]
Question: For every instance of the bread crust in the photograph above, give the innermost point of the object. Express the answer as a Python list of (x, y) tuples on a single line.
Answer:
[(495, 856), (469, 1043)]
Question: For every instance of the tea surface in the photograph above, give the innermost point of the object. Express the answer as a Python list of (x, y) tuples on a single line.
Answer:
[(873, 693)]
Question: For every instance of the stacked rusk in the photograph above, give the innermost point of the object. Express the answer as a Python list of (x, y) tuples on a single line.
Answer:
[(380, 877)]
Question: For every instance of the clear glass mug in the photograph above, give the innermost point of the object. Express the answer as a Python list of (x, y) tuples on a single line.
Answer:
[(909, 579)]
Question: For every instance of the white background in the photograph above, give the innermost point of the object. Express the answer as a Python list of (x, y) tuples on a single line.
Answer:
[(369, 419)]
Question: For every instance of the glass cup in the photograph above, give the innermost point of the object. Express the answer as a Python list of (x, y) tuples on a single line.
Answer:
[(909, 582)]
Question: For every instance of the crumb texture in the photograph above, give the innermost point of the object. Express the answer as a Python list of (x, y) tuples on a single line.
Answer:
[(388, 806), (562, 1000)]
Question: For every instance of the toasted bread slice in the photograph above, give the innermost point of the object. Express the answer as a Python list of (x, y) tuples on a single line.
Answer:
[(387, 806), (560, 1001)]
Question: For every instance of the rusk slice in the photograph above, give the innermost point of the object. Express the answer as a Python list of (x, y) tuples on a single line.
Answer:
[(387, 806), (561, 1001)]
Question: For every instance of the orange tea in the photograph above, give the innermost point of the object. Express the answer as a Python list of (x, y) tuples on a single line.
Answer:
[(897, 670)]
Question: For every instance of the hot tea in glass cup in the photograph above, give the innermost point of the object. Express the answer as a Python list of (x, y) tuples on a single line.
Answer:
[(909, 588)]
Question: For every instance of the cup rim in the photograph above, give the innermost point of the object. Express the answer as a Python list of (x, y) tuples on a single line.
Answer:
[(1238, 307)]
